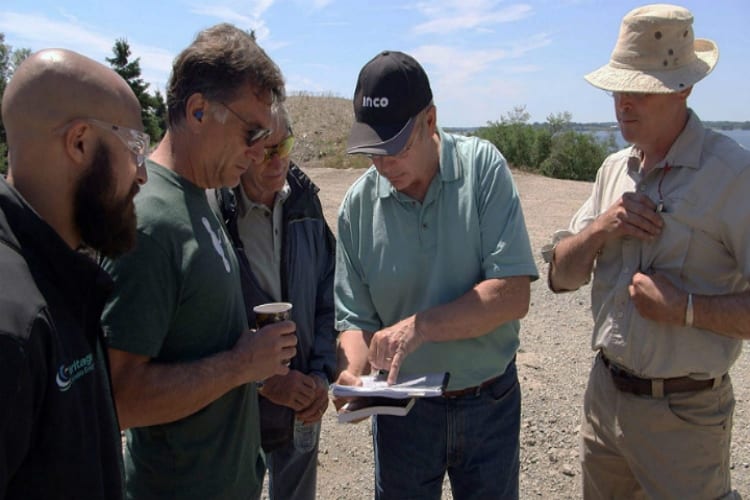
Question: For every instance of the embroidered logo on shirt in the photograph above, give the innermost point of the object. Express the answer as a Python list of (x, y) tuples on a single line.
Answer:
[(216, 242), (67, 375)]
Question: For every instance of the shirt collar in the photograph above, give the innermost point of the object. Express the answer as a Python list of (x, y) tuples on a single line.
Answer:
[(686, 149), (245, 204)]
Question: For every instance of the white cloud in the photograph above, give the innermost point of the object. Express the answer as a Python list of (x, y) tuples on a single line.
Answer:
[(454, 15), (245, 16), (470, 84), (453, 64), (38, 32), (41, 32), (319, 4)]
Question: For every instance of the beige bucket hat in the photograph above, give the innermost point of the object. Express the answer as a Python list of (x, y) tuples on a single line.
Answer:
[(656, 53)]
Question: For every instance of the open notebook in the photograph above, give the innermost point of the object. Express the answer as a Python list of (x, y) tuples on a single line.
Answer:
[(407, 386), (376, 397)]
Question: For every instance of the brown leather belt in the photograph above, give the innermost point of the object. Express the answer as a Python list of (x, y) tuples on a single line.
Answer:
[(627, 382), (471, 391)]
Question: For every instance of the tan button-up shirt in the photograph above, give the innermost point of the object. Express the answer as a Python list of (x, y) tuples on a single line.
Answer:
[(704, 187)]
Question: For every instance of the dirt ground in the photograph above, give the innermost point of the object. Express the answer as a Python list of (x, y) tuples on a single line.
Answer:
[(553, 365)]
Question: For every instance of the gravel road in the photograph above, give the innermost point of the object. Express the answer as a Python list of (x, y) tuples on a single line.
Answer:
[(553, 365)]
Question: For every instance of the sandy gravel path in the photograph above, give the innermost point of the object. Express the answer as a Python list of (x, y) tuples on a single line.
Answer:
[(553, 365)]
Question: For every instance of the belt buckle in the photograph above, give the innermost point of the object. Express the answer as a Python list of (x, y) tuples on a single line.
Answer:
[(657, 388)]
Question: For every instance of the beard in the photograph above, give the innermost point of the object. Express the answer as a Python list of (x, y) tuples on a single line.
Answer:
[(106, 224)]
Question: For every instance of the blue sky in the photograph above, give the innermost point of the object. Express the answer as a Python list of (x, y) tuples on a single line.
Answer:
[(484, 57)]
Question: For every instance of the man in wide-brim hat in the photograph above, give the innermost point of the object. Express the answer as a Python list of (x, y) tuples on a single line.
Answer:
[(666, 233)]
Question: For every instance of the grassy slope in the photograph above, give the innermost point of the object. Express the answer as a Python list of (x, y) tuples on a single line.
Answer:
[(321, 126)]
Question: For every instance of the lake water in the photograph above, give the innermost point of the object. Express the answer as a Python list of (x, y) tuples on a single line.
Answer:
[(739, 135)]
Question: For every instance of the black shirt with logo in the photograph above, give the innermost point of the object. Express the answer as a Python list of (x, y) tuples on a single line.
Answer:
[(59, 435)]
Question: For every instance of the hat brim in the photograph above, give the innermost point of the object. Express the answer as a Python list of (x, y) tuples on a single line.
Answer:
[(616, 79), (383, 140)]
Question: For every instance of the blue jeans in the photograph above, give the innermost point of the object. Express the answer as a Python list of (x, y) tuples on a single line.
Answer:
[(292, 474), (475, 439)]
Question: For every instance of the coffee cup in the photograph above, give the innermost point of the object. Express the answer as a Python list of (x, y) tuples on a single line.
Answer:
[(272, 312)]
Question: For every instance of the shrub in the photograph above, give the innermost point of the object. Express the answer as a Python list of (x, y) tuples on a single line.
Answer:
[(514, 140), (552, 149), (574, 155)]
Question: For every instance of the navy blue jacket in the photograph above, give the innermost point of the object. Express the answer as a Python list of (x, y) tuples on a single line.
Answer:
[(307, 268)]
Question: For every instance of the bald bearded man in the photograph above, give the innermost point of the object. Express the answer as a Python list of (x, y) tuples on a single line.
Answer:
[(76, 159)]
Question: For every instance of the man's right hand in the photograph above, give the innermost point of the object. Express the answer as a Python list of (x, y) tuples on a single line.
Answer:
[(345, 378), (634, 214), (266, 352)]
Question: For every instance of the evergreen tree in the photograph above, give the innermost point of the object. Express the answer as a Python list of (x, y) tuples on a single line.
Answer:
[(160, 111), (130, 71), (10, 59)]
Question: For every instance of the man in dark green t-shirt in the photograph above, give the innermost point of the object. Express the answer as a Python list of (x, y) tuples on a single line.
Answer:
[(183, 363)]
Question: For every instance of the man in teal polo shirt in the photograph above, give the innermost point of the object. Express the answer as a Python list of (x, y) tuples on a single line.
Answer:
[(433, 273)]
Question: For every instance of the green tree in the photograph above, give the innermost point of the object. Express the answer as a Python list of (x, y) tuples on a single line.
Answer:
[(558, 122), (10, 59), (130, 71), (518, 116), (18, 56), (160, 111), (515, 138), (553, 149), (575, 155)]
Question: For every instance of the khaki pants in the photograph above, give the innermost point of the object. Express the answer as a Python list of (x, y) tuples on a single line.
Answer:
[(641, 447)]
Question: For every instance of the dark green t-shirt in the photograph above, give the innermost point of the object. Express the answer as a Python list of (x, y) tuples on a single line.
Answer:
[(178, 298)]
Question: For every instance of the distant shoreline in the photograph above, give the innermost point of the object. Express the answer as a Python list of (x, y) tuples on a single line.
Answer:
[(610, 126), (740, 133)]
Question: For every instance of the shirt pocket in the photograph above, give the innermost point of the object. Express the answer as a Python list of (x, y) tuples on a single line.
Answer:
[(668, 252)]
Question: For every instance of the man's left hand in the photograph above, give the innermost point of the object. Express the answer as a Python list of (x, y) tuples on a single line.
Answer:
[(294, 390), (390, 346), (317, 408), (657, 299)]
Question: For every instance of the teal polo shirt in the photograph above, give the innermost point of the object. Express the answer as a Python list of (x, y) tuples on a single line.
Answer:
[(396, 256)]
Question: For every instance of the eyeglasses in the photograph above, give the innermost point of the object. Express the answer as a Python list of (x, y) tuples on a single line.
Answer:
[(282, 149), (254, 133), (136, 141)]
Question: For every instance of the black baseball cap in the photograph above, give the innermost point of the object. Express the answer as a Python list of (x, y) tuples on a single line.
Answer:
[(392, 89)]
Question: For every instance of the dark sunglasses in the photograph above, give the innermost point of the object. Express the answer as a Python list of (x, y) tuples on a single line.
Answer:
[(254, 133)]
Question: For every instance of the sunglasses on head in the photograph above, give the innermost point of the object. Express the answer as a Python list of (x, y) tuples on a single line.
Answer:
[(282, 149)]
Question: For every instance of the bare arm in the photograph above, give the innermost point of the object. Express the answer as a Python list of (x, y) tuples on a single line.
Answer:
[(657, 299), (150, 393), (487, 305), (353, 347), (351, 354), (727, 315), (632, 215)]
